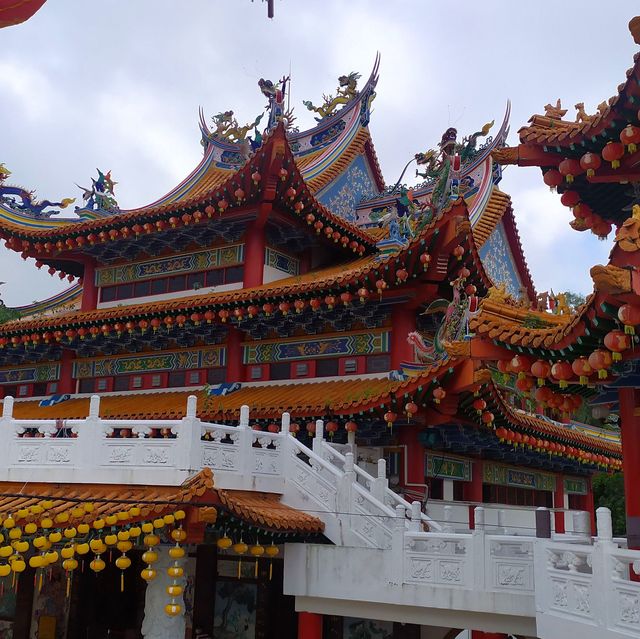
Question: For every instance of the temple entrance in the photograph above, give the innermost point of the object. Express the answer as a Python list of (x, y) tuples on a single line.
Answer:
[(99, 609)]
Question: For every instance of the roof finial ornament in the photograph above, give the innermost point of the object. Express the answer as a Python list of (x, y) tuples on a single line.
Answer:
[(555, 112), (634, 28), (347, 91), (275, 94), (100, 197), (581, 115)]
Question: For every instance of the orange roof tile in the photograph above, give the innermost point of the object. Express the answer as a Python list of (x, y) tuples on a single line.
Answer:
[(499, 203)]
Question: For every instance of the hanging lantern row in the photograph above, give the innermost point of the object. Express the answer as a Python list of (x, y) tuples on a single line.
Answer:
[(540, 445), (225, 543), (585, 218)]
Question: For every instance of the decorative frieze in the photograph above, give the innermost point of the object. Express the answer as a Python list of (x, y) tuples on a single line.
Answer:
[(575, 486), (170, 265), (369, 343), (152, 362), (281, 262), (38, 373), (507, 476), (448, 467)]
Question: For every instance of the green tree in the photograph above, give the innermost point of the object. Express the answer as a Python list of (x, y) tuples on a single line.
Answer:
[(608, 490), (574, 299), (7, 314)]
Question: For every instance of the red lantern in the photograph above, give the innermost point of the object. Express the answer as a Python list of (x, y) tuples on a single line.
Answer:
[(439, 394), (209, 210), (311, 428), (273, 428), (524, 384), (267, 308), (629, 315), (223, 314), (402, 275), (582, 369), (458, 252), (600, 360), (590, 162), (155, 323), (239, 194), (299, 305), (617, 341), (464, 273), (238, 313), (390, 417), (252, 310), (315, 304), (487, 417), (541, 370), (294, 428), (570, 198), (331, 427), (195, 318), (630, 136), (310, 218), (284, 307), (521, 364), (318, 226), (601, 228), (501, 433), (351, 427), (291, 193), (222, 205), (543, 395), (425, 258), (283, 174), (363, 294), (330, 301), (563, 372), (346, 298), (612, 152), (504, 365), (380, 286), (553, 179), (256, 177), (479, 405), (570, 168), (410, 408)]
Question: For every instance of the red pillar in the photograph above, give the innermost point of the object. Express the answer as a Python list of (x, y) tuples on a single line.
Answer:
[(472, 490), (403, 322), (89, 288), (66, 384), (254, 246), (413, 462), (631, 462), (234, 355), (478, 634), (558, 502), (309, 625)]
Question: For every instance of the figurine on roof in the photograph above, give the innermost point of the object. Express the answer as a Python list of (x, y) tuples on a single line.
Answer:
[(21, 200), (227, 127), (347, 90), (100, 197), (275, 94)]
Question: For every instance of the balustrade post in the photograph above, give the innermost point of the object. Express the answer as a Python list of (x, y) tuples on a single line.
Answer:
[(189, 439), (380, 483), (502, 516), (478, 518), (582, 524), (246, 459), (91, 434), (345, 490), (543, 523), (397, 544), (7, 432), (605, 527), (448, 518), (318, 440), (478, 544), (416, 519)]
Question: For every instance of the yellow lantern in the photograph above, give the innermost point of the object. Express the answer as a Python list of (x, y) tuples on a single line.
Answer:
[(150, 557), (88, 508), (55, 537), (175, 571), (272, 551), (147, 527), (46, 522), (97, 545), (173, 609), (18, 565), (124, 546), (69, 533), (30, 528), (9, 522), (15, 533), (178, 535), (135, 531), (62, 518), (36, 510), (122, 563), (83, 529), (21, 546), (149, 574), (151, 540), (111, 520), (240, 548), (257, 551), (47, 504), (6, 551), (224, 542), (169, 519), (37, 561), (51, 556), (176, 552), (174, 590), (98, 524), (111, 540), (134, 511), (179, 515), (5, 570), (70, 564), (77, 512), (97, 565), (123, 535), (67, 552), (158, 523), (82, 549), (122, 515), (22, 513)]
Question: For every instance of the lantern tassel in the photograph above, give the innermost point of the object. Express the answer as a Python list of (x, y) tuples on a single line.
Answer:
[(255, 571), (239, 567), (122, 581), (68, 584), (602, 374), (270, 569), (616, 357), (629, 330)]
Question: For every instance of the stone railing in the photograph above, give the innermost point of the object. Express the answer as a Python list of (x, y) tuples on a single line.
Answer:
[(590, 589)]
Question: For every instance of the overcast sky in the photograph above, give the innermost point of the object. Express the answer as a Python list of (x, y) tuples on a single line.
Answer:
[(117, 85)]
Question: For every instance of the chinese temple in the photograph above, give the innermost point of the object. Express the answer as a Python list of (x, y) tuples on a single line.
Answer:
[(369, 328)]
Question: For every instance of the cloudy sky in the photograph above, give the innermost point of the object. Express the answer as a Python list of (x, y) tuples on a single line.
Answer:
[(117, 85)]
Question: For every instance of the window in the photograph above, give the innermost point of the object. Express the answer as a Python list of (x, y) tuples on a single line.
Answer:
[(302, 370), (193, 378), (108, 293), (52, 388), (40, 389), (350, 366), (218, 375), (125, 291), (234, 274), (176, 283), (378, 363), (255, 372), (195, 281), (280, 370), (156, 381), (86, 386), (141, 289), (23, 390), (327, 368), (176, 379), (102, 384), (215, 277), (121, 383), (158, 286), (136, 381)]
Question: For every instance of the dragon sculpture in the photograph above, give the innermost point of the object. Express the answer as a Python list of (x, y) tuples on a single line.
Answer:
[(275, 94), (100, 196), (454, 326), (347, 90), (227, 127), (23, 201)]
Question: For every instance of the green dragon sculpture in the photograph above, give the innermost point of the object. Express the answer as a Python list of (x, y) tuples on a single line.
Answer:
[(347, 90)]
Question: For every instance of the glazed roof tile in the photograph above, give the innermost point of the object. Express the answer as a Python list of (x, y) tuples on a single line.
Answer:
[(499, 203), (263, 510)]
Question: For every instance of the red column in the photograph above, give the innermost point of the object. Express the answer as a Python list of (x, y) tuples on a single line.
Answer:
[(413, 460), (89, 288), (478, 634), (66, 384), (631, 462), (403, 322), (309, 625), (472, 490), (234, 355), (558, 502), (254, 246)]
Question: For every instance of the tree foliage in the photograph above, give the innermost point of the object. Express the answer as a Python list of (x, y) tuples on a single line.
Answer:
[(608, 490), (7, 314)]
